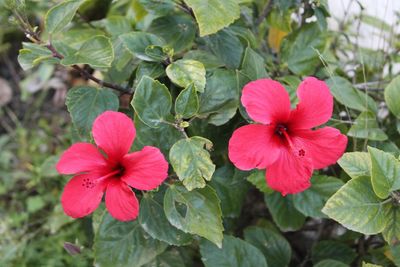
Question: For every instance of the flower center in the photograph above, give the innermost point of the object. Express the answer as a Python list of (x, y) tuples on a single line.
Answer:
[(90, 183)]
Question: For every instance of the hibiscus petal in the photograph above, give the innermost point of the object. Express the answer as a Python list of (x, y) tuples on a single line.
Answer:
[(82, 195), (121, 202), (290, 173), (80, 157), (266, 101), (325, 146), (315, 105), (253, 146), (145, 169), (114, 133)]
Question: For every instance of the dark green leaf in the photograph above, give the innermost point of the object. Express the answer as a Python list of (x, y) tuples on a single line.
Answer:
[(231, 189), (283, 212), (311, 201), (391, 233), (331, 263), (392, 96), (257, 178), (85, 103), (124, 244), (152, 102), (253, 65), (187, 102), (196, 212), (271, 243), (137, 42), (169, 258), (191, 161), (234, 253), (117, 25), (153, 221), (330, 249)]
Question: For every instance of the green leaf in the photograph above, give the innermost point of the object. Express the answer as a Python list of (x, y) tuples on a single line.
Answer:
[(97, 52), (117, 25), (235, 252), (299, 49), (153, 220), (169, 258), (357, 197), (271, 243), (60, 15), (137, 42), (391, 233), (257, 178), (185, 72), (227, 47), (152, 102), (213, 15), (253, 65), (331, 263), (209, 60), (32, 54), (196, 212), (151, 69), (366, 127), (330, 249), (356, 164), (385, 172), (163, 137), (392, 96), (191, 161), (159, 7), (283, 212), (346, 94), (187, 102), (85, 103), (178, 30), (220, 99), (124, 244), (311, 201), (231, 188)]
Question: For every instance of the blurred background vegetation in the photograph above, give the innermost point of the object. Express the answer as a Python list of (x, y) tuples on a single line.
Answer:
[(35, 126)]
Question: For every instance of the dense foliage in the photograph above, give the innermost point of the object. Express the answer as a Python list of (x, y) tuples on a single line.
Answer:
[(177, 69)]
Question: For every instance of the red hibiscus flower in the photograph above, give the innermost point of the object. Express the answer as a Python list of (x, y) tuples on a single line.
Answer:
[(109, 168), (282, 142)]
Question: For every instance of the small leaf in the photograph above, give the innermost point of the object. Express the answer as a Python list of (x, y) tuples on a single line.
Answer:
[(137, 42), (60, 15), (213, 15), (85, 103), (32, 54), (235, 252), (311, 201), (385, 172), (345, 93), (122, 244), (191, 162), (196, 212), (152, 102), (253, 65), (185, 72), (153, 221), (97, 52), (271, 243), (392, 96), (257, 178), (357, 197), (356, 164), (187, 102), (283, 212), (366, 127)]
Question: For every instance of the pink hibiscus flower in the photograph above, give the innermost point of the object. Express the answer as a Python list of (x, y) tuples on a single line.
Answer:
[(282, 142), (109, 168)]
